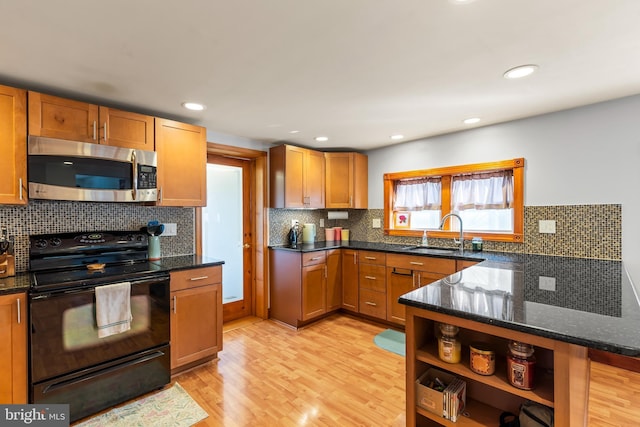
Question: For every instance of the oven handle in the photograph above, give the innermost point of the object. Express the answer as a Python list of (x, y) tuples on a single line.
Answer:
[(148, 280), (144, 359)]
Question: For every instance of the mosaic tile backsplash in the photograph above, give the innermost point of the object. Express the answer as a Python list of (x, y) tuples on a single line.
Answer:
[(41, 217), (582, 231)]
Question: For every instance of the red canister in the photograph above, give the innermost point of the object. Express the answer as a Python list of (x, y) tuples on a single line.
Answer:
[(521, 365)]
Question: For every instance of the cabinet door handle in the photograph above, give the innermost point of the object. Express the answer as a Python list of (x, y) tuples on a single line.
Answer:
[(19, 313), (175, 303), (355, 259), (419, 280), (416, 263), (370, 277), (413, 279), (371, 303), (20, 188), (160, 194), (95, 127), (105, 132), (193, 279), (326, 273)]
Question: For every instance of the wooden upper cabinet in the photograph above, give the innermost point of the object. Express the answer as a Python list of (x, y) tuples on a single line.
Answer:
[(297, 177), (182, 163), (13, 146), (126, 129), (346, 180), (55, 117)]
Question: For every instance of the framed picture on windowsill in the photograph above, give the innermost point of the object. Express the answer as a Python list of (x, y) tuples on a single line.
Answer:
[(401, 219)]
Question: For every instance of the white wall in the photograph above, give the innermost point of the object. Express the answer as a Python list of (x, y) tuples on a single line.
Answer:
[(236, 141), (587, 155)]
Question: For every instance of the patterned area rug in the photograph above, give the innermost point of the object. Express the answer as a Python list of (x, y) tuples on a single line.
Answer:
[(391, 340), (170, 407)]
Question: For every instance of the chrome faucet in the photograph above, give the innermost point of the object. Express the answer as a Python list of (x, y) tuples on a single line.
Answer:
[(457, 242)]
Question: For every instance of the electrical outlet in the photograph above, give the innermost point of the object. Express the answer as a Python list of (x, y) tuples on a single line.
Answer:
[(547, 283), (294, 222), (170, 229), (321, 222), (547, 226), (376, 223)]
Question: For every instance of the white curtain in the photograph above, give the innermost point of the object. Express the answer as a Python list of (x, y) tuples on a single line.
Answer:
[(417, 194), (493, 190)]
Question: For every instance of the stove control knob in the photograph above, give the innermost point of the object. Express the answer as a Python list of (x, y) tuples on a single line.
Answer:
[(139, 238), (41, 244), (130, 237), (55, 242)]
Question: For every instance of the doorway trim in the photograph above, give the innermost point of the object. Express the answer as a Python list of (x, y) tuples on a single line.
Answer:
[(258, 189)]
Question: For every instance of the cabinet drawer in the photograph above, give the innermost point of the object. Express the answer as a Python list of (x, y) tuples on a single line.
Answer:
[(370, 257), (185, 279), (372, 277), (422, 263), (313, 258), (373, 303)]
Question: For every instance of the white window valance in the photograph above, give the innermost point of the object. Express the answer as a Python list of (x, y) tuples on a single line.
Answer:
[(417, 194), (491, 190)]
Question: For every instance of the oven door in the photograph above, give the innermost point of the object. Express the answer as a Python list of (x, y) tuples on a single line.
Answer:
[(64, 336)]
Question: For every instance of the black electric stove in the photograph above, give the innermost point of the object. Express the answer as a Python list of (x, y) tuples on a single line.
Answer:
[(63, 260)]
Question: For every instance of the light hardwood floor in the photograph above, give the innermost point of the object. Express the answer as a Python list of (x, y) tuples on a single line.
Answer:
[(328, 374), (332, 374)]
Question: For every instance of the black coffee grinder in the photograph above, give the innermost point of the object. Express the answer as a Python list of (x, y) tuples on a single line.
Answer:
[(293, 236)]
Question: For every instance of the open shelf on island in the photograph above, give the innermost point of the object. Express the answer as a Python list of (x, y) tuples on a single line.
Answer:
[(542, 394), (479, 414)]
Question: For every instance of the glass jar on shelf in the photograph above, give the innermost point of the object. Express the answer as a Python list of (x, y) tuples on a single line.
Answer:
[(521, 365), (449, 348)]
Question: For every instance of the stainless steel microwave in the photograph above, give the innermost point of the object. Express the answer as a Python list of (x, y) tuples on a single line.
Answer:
[(67, 170)]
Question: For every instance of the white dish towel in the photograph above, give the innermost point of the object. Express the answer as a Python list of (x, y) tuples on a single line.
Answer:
[(113, 309)]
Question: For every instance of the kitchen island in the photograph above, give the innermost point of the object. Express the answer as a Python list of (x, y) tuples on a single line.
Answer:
[(561, 306)]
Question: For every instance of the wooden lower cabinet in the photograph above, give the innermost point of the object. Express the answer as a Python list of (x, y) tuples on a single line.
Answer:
[(334, 279), (196, 316), (408, 272), (372, 284), (561, 380), (304, 286), (13, 351), (314, 291), (350, 295)]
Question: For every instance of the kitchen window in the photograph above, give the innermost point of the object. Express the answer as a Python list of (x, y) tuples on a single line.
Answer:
[(489, 197)]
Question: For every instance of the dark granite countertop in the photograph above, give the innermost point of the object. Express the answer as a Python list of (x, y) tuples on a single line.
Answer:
[(21, 281), (18, 283), (581, 301), (587, 302), (186, 262)]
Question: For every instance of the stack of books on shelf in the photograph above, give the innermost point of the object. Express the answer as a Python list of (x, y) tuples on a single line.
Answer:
[(455, 397)]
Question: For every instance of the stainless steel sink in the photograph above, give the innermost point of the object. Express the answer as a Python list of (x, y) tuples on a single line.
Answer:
[(429, 250)]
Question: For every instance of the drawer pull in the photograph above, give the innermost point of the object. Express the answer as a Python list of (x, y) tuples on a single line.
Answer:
[(370, 277), (370, 257), (315, 258), (371, 303), (193, 279), (416, 263)]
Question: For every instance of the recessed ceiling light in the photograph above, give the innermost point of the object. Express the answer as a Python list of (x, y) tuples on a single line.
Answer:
[(520, 71), (322, 138), (294, 131), (471, 120), (396, 137), (194, 106)]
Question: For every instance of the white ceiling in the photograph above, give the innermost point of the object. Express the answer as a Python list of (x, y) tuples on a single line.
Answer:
[(356, 71)]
